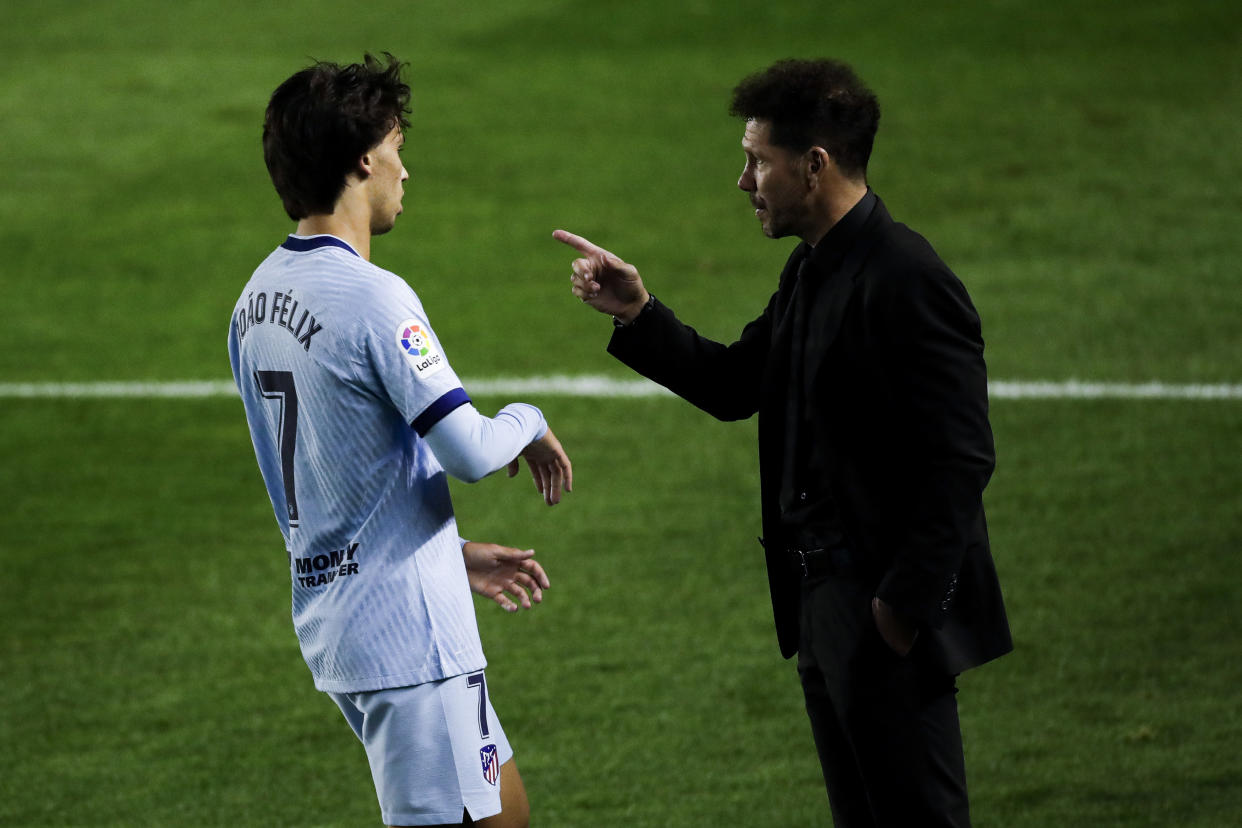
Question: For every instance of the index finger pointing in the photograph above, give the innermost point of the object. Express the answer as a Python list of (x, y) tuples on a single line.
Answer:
[(580, 244)]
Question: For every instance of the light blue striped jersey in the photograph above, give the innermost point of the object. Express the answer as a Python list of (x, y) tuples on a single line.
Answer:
[(341, 375)]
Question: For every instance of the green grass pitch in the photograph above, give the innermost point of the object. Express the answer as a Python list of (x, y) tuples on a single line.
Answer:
[(1077, 164)]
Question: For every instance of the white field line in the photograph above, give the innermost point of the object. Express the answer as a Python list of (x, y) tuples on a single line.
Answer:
[(1078, 390), (606, 387)]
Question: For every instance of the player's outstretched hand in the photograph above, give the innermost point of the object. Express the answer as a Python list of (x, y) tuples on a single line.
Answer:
[(603, 281), (510, 577), (549, 466)]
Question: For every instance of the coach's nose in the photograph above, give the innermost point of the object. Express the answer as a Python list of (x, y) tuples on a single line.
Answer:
[(746, 182)]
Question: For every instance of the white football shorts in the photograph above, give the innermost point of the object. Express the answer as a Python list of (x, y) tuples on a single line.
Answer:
[(435, 749)]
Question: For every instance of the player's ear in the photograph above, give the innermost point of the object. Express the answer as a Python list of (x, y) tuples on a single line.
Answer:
[(366, 165)]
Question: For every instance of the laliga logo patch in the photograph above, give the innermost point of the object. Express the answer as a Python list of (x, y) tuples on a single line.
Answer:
[(415, 340)]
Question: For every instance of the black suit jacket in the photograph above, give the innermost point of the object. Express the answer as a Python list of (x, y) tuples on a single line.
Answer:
[(895, 376)]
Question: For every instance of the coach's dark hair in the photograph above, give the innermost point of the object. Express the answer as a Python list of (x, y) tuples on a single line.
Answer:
[(322, 120), (813, 103)]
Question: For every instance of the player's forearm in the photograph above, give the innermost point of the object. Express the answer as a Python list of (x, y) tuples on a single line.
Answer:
[(470, 446)]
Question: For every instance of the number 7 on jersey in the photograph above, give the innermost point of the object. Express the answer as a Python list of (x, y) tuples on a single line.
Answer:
[(279, 385)]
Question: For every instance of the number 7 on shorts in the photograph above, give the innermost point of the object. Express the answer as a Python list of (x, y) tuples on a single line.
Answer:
[(477, 680)]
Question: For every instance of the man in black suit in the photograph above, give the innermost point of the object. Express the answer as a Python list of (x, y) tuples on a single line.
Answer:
[(866, 370)]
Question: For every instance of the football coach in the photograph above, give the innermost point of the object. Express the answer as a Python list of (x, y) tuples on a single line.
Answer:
[(866, 371)]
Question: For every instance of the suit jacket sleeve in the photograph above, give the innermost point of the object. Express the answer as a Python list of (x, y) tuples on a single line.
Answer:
[(938, 388), (723, 380)]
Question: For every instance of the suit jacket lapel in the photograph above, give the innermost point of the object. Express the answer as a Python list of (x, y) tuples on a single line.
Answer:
[(772, 405), (828, 309), (775, 377)]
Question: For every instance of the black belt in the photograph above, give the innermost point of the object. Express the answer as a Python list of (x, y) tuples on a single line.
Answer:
[(812, 563)]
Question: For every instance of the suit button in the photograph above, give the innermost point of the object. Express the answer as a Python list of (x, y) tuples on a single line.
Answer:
[(802, 496)]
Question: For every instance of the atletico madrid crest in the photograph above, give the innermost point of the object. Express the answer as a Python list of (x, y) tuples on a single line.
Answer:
[(491, 763)]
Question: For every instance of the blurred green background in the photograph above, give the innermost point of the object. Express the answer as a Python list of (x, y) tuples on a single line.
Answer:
[(1077, 164)]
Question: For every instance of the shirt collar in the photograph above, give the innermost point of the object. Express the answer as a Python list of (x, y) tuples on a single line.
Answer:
[(842, 234), (305, 244)]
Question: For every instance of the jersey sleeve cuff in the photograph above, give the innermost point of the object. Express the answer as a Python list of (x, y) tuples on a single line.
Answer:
[(438, 410)]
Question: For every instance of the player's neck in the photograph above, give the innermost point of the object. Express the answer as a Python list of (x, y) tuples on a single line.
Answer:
[(345, 224)]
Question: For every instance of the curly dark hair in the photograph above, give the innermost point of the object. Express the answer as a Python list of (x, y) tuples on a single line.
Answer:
[(813, 103), (321, 120)]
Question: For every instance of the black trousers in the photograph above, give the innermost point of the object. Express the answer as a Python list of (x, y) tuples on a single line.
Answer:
[(885, 726)]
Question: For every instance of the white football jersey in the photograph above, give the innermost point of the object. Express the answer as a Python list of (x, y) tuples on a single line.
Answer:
[(341, 375)]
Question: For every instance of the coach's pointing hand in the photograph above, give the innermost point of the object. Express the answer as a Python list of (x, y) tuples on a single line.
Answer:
[(603, 281)]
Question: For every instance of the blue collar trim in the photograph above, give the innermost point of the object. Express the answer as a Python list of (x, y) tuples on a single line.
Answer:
[(314, 243)]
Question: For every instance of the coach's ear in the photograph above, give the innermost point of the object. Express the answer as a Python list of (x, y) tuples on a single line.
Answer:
[(817, 163)]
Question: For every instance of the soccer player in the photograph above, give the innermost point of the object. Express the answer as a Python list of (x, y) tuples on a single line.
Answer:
[(356, 416)]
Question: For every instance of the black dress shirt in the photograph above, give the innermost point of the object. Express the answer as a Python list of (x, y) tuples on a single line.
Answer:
[(808, 509)]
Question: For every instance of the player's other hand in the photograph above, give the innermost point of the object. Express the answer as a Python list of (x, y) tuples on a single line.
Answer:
[(549, 466), (603, 281), (510, 577)]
